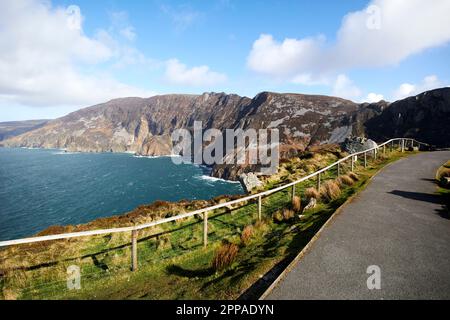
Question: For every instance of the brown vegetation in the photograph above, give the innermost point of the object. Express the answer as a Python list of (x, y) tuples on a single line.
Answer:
[(354, 176), (296, 204), (224, 256), (312, 193), (247, 234), (330, 190), (345, 180)]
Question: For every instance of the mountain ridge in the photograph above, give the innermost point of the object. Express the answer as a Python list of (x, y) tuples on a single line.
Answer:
[(144, 125)]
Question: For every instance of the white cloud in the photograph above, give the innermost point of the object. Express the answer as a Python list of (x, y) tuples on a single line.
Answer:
[(308, 79), (401, 29), (345, 88), (283, 59), (43, 52), (374, 97), (120, 24), (408, 89), (179, 74), (182, 16), (129, 33)]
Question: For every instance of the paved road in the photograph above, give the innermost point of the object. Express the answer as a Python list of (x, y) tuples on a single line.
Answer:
[(396, 224)]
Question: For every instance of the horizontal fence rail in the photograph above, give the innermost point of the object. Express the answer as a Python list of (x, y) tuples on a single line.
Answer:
[(204, 212)]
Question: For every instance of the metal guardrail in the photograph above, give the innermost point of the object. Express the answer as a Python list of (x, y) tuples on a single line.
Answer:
[(134, 229)]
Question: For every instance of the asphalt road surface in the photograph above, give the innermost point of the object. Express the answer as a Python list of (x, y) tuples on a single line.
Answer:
[(397, 225)]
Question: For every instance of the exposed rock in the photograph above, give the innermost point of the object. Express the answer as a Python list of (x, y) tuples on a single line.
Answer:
[(249, 181), (311, 204), (145, 125), (358, 144), (425, 117)]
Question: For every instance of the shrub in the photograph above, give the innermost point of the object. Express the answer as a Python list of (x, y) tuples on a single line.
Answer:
[(224, 256), (345, 180), (353, 176), (312, 193), (442, 173), (261, 226), (247, 234), (330, 190), (288, 214), (296, 204), (278, 216)]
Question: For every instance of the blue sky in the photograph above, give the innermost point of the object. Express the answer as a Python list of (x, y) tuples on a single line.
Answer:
[(58, 56)]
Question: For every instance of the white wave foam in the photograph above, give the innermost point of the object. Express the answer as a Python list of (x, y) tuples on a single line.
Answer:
[(65, 152), (213, 179), (156, 157)]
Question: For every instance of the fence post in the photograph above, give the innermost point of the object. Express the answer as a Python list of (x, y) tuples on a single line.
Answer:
[(353, 163), (259, 208), (376, 153), (293, 192), (365, 159), (205, 229), (318, 181), (403, 145), (134, 258), (338, 169), (392, 145)]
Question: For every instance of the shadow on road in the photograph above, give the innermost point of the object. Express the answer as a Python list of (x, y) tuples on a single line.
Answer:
[(418, 196)]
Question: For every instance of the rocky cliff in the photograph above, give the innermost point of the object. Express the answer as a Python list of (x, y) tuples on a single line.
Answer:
[(425, 117), (144, 125)]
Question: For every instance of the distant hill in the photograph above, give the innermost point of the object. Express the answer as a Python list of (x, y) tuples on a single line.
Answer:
[(15, 128)]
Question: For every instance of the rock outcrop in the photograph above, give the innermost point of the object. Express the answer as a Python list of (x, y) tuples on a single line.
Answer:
[(249, 181), (145, 125), (358, 144), (425, 117)]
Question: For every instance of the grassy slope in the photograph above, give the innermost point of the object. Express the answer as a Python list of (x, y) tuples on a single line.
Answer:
[(444, 191), (172, 261)]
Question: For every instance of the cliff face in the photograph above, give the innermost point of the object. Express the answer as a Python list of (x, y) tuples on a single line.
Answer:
[(425, 117), (144, 126)]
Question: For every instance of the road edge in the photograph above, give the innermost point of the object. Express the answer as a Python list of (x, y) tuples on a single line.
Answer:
[(311, 242)]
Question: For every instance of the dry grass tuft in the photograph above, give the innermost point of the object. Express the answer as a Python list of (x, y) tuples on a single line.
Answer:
[(224, 256), (288, 214), (354, 176), (442, 173), (261, 226), (247, 234), (330, 190), (296, 204), (277, 216), (312, 193), (345, 180)]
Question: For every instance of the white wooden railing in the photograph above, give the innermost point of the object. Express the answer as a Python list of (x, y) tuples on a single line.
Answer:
[(401, 143)]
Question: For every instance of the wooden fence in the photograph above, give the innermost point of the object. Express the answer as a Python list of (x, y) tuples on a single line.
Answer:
[(401, 144)]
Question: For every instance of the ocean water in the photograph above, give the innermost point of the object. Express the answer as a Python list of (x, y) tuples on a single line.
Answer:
[(40, 188)]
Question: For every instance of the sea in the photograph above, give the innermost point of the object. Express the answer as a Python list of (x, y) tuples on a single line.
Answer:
[(44, 187)]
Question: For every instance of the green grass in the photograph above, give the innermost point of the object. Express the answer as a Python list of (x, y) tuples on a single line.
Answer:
[(172, 261)]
